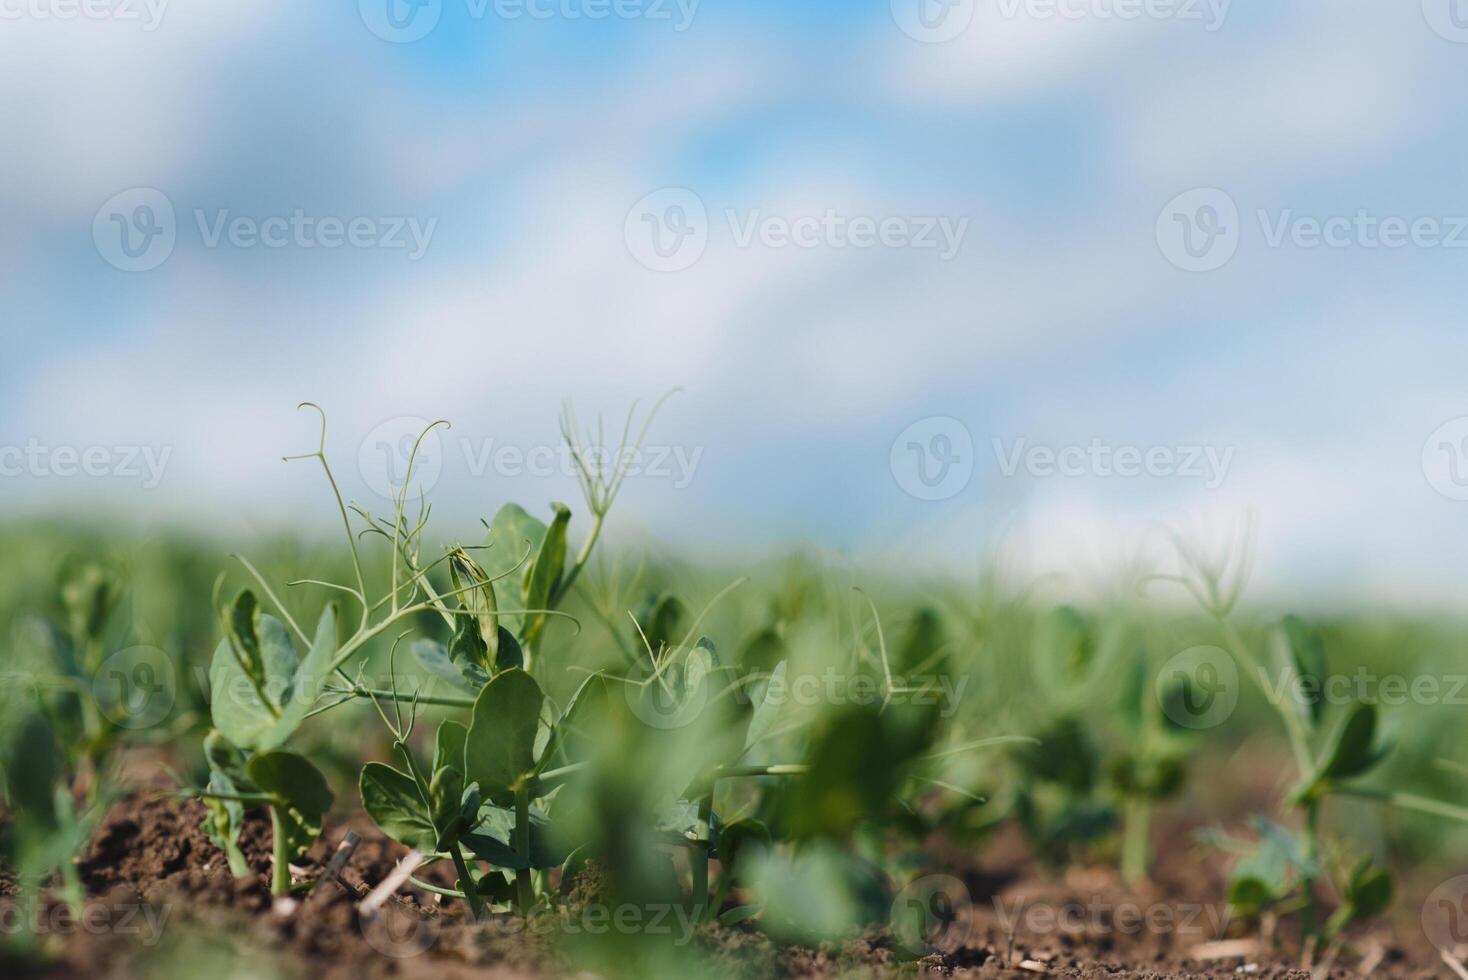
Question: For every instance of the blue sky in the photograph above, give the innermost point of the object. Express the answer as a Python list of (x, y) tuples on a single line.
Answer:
[(1057, 138)]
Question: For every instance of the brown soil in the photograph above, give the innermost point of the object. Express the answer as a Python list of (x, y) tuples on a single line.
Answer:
[(150, 858)]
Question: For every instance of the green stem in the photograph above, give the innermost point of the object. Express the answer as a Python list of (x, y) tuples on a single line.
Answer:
[(1135, 845), (581, 558), (1299, 743), (280, 872), (1309, 840), (698, 857), (466, 882), (524, 892), (440, 700), (735, 772), (254, 799), (1406, 801)]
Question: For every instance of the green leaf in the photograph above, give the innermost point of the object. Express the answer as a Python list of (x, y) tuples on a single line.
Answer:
[(1352, 750), (510, 655), (500, 748), (918, 650), (1303, 655), (738, 914), (545, 574), (762, 652), (461, 674), (392, 800), (492, 841), (234, 704), (448, 745), (243, 629), (309, 678), (290, 778), (768, 709), (561, 746), (479, 600), (1063, 754), (445, 798), (32, 768), (302, 796), (466, 646), (741, 845), (510, 533), (225, 818), (659, 619), (1369, 892)]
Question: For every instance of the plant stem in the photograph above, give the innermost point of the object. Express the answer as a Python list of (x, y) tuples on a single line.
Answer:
[(581, 558), (787, 769), (466, 882), (523, 885), (1135, 845), (441, 700), (1406, 801), (280, 872), (698, 857), (1308, 838), (1296, 731)]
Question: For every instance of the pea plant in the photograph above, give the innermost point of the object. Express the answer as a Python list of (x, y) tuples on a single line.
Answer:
[(263, 689), (1283, 869)]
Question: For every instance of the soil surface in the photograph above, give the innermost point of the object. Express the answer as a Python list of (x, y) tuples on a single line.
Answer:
[(162, 902)]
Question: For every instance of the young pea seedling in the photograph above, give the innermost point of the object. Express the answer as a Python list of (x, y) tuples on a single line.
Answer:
[(1330, 760)]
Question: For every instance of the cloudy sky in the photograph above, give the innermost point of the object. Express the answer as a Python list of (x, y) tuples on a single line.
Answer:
[(933, 278)]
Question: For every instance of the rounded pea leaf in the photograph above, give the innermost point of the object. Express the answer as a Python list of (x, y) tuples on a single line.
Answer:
[(511, 533), (301, 793), (464, 675), (1353, 749), (291, 778), (500, 747), (234, 703), (392, 800)]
